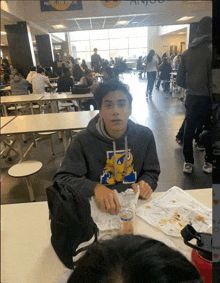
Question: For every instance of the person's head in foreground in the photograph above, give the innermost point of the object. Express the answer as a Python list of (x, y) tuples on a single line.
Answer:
[(133, 259), (114, 103), (205, 26)]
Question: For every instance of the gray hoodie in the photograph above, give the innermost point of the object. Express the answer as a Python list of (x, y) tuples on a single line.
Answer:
[(19, 85), (94, 158), (195, 70)]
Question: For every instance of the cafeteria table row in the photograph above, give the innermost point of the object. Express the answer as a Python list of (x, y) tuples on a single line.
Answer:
[(43, 97), (27, 253), (44, 123)]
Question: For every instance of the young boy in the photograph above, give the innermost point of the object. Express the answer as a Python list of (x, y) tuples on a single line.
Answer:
[(112, 153)]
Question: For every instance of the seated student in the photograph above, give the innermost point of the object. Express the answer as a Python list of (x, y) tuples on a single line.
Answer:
[(112, 153), (165, 69), (19, 85), (33, 71), (83, 65), (65, 83), (133, 258), (108, 74), (39, 81), (89, 81), (77, 73)]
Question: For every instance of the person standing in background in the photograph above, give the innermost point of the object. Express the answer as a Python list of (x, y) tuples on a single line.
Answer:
[(195, 75), (96, 61), (151, 67)]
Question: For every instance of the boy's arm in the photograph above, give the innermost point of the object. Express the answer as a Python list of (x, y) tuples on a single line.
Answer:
[(181, 74), (73, 169), (151, 167)]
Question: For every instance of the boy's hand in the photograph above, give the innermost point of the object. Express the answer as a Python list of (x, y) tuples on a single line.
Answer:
[(107, 199), (145, 189)]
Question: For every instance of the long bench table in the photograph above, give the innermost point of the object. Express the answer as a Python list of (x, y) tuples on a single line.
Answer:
[(46, 123), (27, 254)]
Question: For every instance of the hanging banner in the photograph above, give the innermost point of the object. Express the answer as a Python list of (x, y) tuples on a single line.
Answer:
[(60, 5)]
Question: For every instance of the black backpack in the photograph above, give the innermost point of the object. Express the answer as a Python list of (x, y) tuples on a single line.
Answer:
[(71, 221), (80, 89)]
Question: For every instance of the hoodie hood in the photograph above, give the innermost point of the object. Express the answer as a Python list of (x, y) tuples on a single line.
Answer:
[(96, 127), (199, 40)]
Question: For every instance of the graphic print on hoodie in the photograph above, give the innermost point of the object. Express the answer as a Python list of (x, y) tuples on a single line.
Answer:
[(118, 168)]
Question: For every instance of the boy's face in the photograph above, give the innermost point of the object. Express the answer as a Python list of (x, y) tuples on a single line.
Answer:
[(115, 111)]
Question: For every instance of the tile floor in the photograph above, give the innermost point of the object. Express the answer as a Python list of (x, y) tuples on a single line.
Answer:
[(163, 114)]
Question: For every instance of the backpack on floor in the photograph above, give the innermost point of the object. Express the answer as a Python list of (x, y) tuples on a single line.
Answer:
[(71, 222)]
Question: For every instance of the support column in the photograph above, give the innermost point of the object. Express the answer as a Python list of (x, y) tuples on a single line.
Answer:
[(20, 46), (193, 31), (45, 50)]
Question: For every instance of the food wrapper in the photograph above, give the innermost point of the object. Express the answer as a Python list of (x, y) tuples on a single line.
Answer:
[(106, 221), (172, 211)]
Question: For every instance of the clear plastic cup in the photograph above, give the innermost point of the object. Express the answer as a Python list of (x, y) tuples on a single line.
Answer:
[(126, 221)]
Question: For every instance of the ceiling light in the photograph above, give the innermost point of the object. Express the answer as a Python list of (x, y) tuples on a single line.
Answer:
[(184, 19), (122, 23), (182, 32), (3, 32), (59, 26)]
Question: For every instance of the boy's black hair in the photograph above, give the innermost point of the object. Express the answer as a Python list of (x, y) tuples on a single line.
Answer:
[(114, 85), (40, 70), (133, 258), (32, 68), (66, 71)]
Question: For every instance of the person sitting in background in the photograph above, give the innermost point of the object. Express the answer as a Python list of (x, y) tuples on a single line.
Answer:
[(6, 66), (88, 81), (77, 73), (39, 81), (6, 80), (112, 62), (33, 71), (133, 258), (19, 86), (107, 74), (176, 61), (165, 69), (84, 66), (65, 83), (112, 153), (58, 65)]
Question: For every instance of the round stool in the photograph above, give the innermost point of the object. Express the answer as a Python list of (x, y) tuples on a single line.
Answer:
[(26, 169)]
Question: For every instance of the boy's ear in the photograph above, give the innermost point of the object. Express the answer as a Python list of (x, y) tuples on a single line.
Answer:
[(130, 111)]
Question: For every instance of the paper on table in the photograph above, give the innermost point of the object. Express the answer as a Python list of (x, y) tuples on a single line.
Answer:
[(106, 221), (174, 210)]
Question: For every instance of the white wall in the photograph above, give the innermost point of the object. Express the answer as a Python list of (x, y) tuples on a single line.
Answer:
[(161, 44)]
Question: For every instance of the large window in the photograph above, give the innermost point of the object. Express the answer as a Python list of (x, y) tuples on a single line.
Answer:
[(123, 42)]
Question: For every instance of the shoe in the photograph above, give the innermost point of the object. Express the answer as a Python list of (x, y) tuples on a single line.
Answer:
[(187, 168), (207, 167), (179, 141), (200, 146)]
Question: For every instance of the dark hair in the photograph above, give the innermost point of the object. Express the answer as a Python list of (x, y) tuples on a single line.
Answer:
[(108, 70), (133, 259), (33, 68), (40, 70), (66, 71), (5, 60), (150, 56), (205, 25), (103, 89), (87, 72)]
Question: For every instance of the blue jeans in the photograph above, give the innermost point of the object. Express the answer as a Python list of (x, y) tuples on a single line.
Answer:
[(151, 76)]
